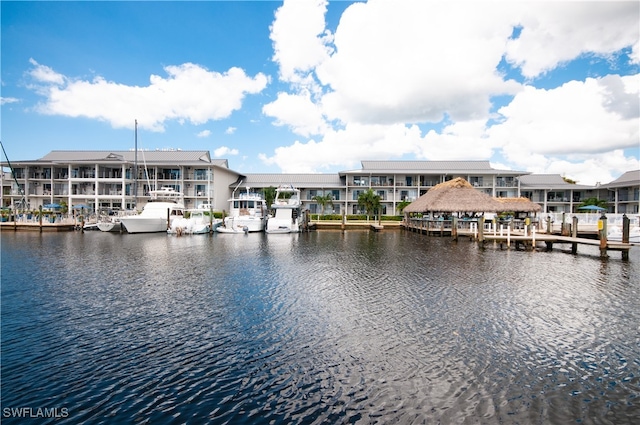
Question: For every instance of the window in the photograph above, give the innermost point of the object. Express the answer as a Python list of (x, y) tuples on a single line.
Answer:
[(200, 174)]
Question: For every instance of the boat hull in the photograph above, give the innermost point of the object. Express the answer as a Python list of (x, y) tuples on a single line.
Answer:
[(242, 225), (109, 226), (288, 227), (188, 226), (138, 224)]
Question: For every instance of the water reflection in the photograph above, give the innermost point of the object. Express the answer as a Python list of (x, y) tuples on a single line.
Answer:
[(317, 327)]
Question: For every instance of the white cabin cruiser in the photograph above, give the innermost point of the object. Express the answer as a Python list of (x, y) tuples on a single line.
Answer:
[(288, 211), (200, 221), (110, 222), (247, 213), (165, 205)]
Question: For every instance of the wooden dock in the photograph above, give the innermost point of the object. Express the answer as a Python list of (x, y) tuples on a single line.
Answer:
[(37, 227), (528, 238)]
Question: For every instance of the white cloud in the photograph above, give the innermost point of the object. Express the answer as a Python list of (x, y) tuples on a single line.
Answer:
[(297, 111), (204, 133), (557, 32), (224, 151), (44, 74), (415, 61), (189, 93), (8, 100), (578, 118), (299, 38), (346, 148), (230, 130), (395, 64)]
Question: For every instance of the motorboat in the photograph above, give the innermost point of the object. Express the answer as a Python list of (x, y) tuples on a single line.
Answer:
[(614, 234), (288, 211), (110, 222), (164, 206), (247, 213), (199, 221)]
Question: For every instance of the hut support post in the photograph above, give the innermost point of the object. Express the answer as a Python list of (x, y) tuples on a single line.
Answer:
[(454, 228), (40, 217), (481, 231)]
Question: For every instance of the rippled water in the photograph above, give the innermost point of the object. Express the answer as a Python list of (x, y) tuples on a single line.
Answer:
[(324, 327)]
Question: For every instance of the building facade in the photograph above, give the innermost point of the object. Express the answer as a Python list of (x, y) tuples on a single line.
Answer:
[(107, 180)]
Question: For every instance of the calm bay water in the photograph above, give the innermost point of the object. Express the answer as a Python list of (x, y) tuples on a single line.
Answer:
[(324, 327)]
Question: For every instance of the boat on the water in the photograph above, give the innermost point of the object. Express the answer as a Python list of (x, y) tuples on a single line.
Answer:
[(288, 211), (614, 233), (247, 213), (200, 221), (110, 221), (165, 206), (112, 225)]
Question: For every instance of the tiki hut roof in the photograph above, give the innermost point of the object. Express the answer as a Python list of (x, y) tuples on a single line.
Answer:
[(519, 205), (455, 195)]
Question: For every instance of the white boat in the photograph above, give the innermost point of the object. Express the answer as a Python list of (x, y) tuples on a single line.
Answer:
[(198, 222), (614, 233), (288, 211), (112, 225), (107, 222), (165, 206), (247, 213)]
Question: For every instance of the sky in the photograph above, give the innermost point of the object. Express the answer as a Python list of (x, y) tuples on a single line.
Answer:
[(316, 86)]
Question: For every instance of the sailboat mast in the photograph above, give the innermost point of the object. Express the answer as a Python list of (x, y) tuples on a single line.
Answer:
[(135, 168)]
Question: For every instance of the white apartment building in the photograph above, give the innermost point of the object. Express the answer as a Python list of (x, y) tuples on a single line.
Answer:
[(106, 180)]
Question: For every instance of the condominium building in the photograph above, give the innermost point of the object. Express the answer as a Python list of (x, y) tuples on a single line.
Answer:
[(117, 179), (123, 180)]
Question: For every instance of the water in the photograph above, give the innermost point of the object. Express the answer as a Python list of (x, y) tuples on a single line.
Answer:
[(324, 327)]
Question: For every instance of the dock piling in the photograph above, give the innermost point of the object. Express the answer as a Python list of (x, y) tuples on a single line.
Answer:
[(625, 235), (602, 234), (574, 234)]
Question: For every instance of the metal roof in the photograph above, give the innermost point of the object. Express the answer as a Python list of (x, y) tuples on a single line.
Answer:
[(176, 157), (439, 167), (302, 180), (630, 178), (548, 181)]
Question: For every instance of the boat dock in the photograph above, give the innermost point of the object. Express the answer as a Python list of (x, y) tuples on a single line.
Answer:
[(38, 226), (526, 237)]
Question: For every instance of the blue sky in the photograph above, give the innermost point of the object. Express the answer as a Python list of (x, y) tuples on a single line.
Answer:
[(317, 86)]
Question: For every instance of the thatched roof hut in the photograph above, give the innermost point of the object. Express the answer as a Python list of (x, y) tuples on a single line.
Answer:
[(458, 195), (455, 195), (519, 205)]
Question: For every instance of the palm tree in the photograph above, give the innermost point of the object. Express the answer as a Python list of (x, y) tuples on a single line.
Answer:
[(323, 201), (594, 201), (400, 206), (269, 195), (370, 201)]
